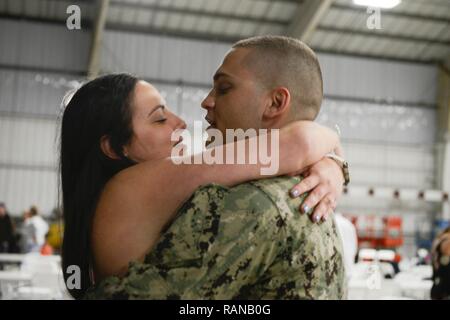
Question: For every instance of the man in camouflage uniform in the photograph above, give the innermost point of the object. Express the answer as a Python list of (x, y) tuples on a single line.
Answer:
[(249, 241)]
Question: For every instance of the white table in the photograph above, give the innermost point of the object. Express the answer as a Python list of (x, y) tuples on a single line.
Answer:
[(15, 276), (19, 258), (10, 280), (11, 257)]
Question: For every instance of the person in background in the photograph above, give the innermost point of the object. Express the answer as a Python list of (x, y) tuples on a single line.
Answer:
[(40, 227), (26, 233), (440, 253), (7, 238), (56, 230), (46, 249), (349, 241), (34, 230)]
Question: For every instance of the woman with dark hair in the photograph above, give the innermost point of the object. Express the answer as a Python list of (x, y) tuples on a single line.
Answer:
[(120, 187)]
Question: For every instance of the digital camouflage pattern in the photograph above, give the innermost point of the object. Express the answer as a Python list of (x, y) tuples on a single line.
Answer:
[(245, 242)]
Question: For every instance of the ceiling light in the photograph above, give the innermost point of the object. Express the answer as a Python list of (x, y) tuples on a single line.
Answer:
[(384, 4)]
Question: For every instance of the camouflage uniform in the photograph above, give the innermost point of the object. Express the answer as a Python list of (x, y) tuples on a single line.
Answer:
[(245, 242)]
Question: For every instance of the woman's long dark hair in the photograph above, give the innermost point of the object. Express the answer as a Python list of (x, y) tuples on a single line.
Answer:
[(101, 107)]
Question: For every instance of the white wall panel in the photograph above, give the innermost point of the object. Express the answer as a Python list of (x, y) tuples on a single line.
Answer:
[(28, 163), (380, 123), (43, 45), (33, 92), (388, 165), (159, 57), (20, 189), (27, 141), (378, 79)]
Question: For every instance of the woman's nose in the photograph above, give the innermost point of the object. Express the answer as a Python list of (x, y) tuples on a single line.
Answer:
[(176, 121), (181, 124)]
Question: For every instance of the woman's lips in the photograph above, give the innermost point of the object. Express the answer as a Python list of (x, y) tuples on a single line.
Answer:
[(179, 141), (212, 124)]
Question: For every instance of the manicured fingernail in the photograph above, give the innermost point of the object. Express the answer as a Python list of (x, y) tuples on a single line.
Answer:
[(305, 208), (295, 193), (316, 218), (324, 218)]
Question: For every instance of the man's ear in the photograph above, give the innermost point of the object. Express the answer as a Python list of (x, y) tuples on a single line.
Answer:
[(105, 145), (280, 100)]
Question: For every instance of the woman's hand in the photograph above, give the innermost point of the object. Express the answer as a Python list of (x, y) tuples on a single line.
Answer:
[(326, 180)]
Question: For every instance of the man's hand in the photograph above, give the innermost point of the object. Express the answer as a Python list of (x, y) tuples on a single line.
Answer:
[(326, 180)]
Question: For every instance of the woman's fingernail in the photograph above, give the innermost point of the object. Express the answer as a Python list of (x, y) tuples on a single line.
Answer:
[(324, 218), (295, 193), (316, 218), (305, 208)]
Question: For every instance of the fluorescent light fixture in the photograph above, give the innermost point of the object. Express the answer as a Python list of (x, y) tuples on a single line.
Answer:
[(384, 4)]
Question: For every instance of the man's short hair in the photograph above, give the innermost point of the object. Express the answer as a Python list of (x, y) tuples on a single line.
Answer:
[(288, 62)]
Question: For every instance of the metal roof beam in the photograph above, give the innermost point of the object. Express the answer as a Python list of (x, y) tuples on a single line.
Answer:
[(194, 12), (443, 101), (100, 20), (393, 14), (172, 32), (376, 57), (87, 24), (307, 18), (382, 35)]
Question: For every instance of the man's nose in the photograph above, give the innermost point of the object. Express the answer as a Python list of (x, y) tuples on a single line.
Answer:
[(208, 102)]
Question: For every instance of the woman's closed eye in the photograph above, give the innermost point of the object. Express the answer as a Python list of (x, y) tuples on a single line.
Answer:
[(159, 115)]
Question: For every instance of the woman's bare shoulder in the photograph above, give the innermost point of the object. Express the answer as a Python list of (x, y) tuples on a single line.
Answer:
[(124, 227), (125, 187)]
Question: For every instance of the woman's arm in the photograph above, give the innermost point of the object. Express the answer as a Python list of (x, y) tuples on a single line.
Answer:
[(300, 144), (161, 187), (139, 201), (164, 185)]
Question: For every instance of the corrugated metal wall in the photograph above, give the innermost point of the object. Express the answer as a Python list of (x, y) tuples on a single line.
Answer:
[(28, 163), (37, 63), (377, 79), (43, 46)]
